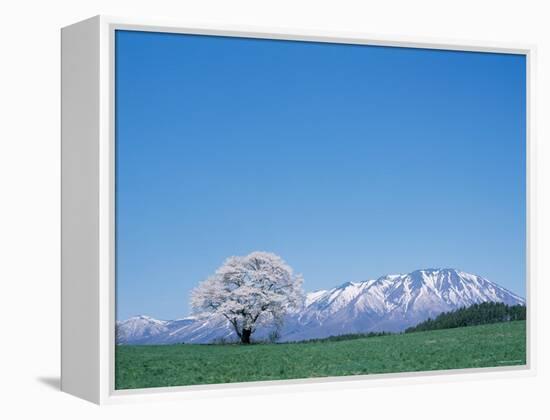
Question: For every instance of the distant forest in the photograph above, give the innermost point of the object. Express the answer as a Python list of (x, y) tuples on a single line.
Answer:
[(477, 314)]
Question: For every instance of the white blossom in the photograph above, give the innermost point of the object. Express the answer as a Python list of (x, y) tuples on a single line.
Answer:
[(257, 289)]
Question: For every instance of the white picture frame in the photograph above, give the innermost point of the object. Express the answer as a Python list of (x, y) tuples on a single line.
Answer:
[(88, 276)]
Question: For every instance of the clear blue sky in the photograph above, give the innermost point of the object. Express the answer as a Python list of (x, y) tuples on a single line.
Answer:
[(350, 162)]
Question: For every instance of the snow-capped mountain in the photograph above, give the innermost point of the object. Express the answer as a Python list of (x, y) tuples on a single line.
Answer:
[(393, 302), (139, 329), (389, 303)]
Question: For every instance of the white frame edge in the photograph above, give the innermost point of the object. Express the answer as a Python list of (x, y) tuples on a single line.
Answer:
[(80, 122), (91, 42)]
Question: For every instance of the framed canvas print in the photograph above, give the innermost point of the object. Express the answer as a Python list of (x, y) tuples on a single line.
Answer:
[(255, 207)]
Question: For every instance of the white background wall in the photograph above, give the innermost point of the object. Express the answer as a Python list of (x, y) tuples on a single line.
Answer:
[(29, 206)]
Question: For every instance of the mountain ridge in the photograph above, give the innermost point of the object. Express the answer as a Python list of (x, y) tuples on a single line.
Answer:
[(392, 303)]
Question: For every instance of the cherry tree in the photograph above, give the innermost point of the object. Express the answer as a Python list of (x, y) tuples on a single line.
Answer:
[(249, 291)]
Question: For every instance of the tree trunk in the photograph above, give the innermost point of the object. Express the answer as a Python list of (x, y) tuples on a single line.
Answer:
[(245, 336)]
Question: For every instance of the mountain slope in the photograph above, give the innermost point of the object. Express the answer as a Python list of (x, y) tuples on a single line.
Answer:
[(139, 329), (389, 303), (393, 302)]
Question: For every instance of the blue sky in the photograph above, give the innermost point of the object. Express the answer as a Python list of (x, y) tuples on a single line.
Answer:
[(350, 162)]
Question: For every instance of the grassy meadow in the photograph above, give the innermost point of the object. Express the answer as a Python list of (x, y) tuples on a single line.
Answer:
[(501, 344)]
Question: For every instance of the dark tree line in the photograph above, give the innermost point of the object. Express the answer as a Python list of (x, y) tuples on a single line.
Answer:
[(477, 314), (344, 337)]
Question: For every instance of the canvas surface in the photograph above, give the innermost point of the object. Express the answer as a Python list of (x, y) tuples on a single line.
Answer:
[(299, 209)]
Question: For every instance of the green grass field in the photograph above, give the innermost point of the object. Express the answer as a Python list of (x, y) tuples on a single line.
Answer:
[(501, 344)]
